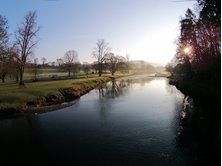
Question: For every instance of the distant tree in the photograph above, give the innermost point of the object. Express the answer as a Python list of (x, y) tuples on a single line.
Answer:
[(95, 66), (128, 62), (86, 68), (14, 65), (26, 41), (70, 58), (114, 62), (35, 69), (43, 59), (53, 64), (76, 68), (60, 62), (101, 52)]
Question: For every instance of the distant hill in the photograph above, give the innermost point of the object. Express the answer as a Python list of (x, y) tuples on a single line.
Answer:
[(146, 67)]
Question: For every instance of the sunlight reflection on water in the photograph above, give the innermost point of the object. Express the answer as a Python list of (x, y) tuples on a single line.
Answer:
[(131, 121)]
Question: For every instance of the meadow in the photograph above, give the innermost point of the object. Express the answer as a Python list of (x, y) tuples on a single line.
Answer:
[(13, 97)]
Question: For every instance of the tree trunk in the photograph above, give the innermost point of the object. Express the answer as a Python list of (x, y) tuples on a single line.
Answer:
[(100, 69), (17, 78), (21, 82), (3, 79)]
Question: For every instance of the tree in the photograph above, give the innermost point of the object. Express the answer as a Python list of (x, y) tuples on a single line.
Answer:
[(35, 69), (76, 68), (70, 58), (60, 62), (26, 41), (114, 62), (3, 34), (8, 64), (86, 68), (101, 52), (95, 66), (14, 65), (128, 62), (3, 69), (199, 46), (3, 48), (43, 59)]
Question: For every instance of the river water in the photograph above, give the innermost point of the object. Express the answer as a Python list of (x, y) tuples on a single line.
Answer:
[(137, 120)]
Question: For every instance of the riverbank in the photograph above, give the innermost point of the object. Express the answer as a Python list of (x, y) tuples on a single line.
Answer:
[(39, 96), (198, 89)]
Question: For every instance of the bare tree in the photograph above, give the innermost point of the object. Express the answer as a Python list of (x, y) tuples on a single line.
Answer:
[(114, 62), (70, 58), (35, 69), (3, 48), (26, 41), (60, 62), (76, 68), (3, 34), (86, 68), (43, 59), (14, 65), (100, 52), (94, 66)]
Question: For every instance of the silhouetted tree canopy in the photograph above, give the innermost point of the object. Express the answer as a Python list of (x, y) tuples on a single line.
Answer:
[(199, 44)]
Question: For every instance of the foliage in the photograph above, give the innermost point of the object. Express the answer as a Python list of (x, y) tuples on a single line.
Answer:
[(199, 45)]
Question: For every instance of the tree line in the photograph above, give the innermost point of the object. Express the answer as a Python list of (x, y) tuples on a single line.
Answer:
[(15, 57), (198, 54)]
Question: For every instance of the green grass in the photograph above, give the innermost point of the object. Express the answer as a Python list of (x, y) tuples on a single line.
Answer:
[(44, 73), (11, 96)]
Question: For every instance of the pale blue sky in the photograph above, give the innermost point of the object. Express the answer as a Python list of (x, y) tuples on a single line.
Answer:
[(145, 29)]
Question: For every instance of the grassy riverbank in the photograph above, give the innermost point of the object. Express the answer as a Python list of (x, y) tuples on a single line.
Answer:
[(38, 94)]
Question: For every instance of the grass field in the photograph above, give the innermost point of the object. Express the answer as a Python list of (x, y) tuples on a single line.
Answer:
[(11, 96)]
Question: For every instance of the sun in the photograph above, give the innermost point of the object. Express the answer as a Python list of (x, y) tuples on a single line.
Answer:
[(187, 50)]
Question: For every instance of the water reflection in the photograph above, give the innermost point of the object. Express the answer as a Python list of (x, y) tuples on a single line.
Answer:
[(130, 121), (113, 88), (198, 131), (116, 88)]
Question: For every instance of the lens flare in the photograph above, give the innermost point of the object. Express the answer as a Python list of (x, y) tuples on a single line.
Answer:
[(188, 50)]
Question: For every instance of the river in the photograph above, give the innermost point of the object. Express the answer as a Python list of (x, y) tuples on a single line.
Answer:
[(137, 120)]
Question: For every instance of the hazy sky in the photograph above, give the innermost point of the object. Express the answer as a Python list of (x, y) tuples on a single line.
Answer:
[(144, 29)]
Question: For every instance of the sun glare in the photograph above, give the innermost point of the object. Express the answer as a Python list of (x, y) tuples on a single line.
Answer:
[(187, 50)]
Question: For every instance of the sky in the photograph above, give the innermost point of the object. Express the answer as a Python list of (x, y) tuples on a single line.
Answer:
[(144, 29)]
